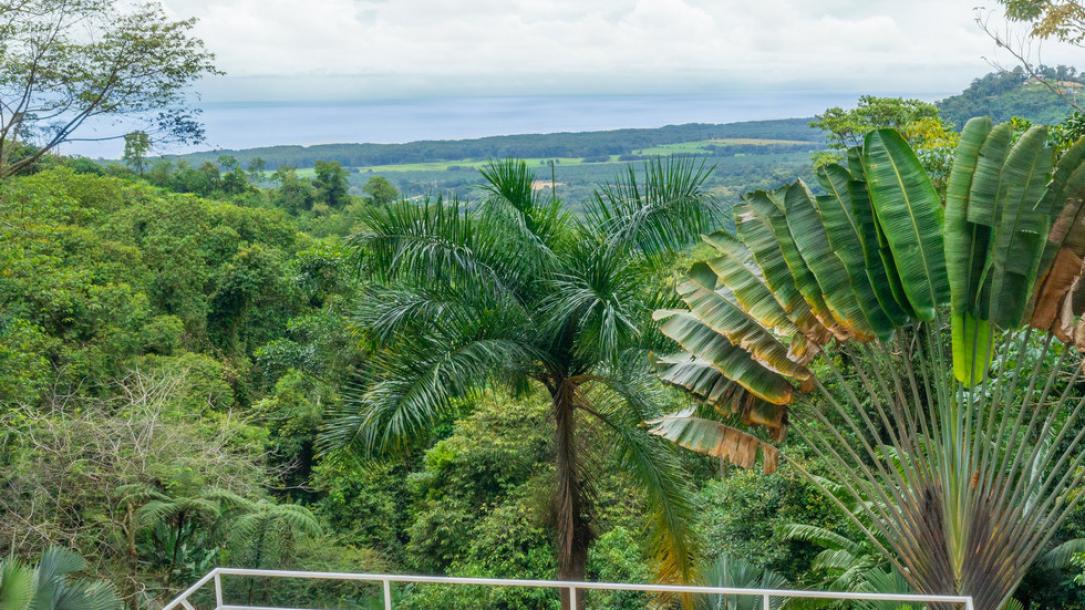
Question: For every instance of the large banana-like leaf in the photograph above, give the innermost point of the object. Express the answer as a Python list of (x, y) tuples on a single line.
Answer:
[(755, 298), (731, 361), (1022, 227), (910, 213), (715, 439), (879, 257), (846, 238), (726, 318), (964, 254), (769, 208), (966, 250), (757, 234), (808, 233), (1060, 266), (701, 379)]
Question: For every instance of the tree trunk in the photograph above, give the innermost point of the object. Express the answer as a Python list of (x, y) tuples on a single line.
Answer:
[(570, 506)]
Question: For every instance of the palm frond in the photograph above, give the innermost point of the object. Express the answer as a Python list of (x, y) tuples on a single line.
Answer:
[(622, 396), (16, 585), (593, 298), (820, 536), (1062, 555), (417, 386), (440, 243), (733, 572), (663, 210), (514, 203)]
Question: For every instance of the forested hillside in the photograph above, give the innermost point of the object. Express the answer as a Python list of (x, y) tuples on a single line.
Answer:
[(1003, 95), (167, 361)]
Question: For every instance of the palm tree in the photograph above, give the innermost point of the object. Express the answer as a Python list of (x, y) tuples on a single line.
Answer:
[(736, 573), (51, 586), (519, 293), (926, 353), (173, 520), (261, 531), (843, 564)]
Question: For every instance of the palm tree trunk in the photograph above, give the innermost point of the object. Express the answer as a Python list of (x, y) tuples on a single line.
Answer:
[(570, 514)]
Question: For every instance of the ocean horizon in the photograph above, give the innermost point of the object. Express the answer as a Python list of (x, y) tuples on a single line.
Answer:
[(252, 124)]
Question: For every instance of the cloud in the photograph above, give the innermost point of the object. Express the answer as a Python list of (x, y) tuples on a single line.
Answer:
[(420, 47)]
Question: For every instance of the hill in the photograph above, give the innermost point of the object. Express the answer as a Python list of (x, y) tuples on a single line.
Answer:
[(1006, 94)]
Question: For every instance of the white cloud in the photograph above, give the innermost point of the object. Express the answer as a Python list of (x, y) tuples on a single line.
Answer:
[(517, 46)]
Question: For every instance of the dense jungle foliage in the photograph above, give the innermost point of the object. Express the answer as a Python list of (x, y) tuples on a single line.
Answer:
[(172, 345), (176, 337)]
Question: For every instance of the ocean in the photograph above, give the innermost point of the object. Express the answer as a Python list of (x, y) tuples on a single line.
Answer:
[(235, 125)]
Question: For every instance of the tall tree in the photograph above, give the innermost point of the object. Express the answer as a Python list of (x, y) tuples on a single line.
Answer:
[(378, 190), (955, 431), (330, 182), (522, 293), (66, 62), (920, 122), (136, 146)]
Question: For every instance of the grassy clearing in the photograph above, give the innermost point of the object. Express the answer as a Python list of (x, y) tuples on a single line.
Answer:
[(701, 146), (436, 166)]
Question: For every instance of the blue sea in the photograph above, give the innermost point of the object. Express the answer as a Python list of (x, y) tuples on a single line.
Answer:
[(235, 125)]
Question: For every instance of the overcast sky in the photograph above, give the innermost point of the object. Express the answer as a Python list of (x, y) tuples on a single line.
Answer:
[(375, 48)]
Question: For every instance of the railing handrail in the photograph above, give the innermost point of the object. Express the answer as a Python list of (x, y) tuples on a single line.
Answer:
[(571, 586)]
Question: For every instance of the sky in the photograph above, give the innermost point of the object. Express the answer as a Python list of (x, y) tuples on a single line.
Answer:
[(372, 49)]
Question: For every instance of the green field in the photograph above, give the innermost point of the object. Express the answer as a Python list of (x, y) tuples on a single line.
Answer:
[(742, 156), (436, 166), (576, 180), (703, 146)]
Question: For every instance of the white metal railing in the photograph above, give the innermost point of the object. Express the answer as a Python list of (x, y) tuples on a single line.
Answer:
[(572, 588)]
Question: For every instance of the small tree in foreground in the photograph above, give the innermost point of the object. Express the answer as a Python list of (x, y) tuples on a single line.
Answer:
[(51, 585), (929, 356), (64, 62)]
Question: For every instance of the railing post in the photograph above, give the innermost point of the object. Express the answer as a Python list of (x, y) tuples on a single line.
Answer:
[(218, 590), (766, 601), (572, 597), (387, 593)]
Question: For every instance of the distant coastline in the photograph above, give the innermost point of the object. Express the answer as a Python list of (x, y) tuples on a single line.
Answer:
[(243, 125)]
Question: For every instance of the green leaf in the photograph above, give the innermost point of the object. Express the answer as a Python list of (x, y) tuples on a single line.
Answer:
[(808, 234), (879, 258), (16, 585), (973, 347), (758, 236), (847, 237), (909, 212), (769, 213), (731, 361), (726, 318), (1022, 227), (966, 249), (752, 295), (701, 379)]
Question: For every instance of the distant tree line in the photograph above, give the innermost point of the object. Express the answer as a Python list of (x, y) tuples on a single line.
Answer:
[(583, 144)]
